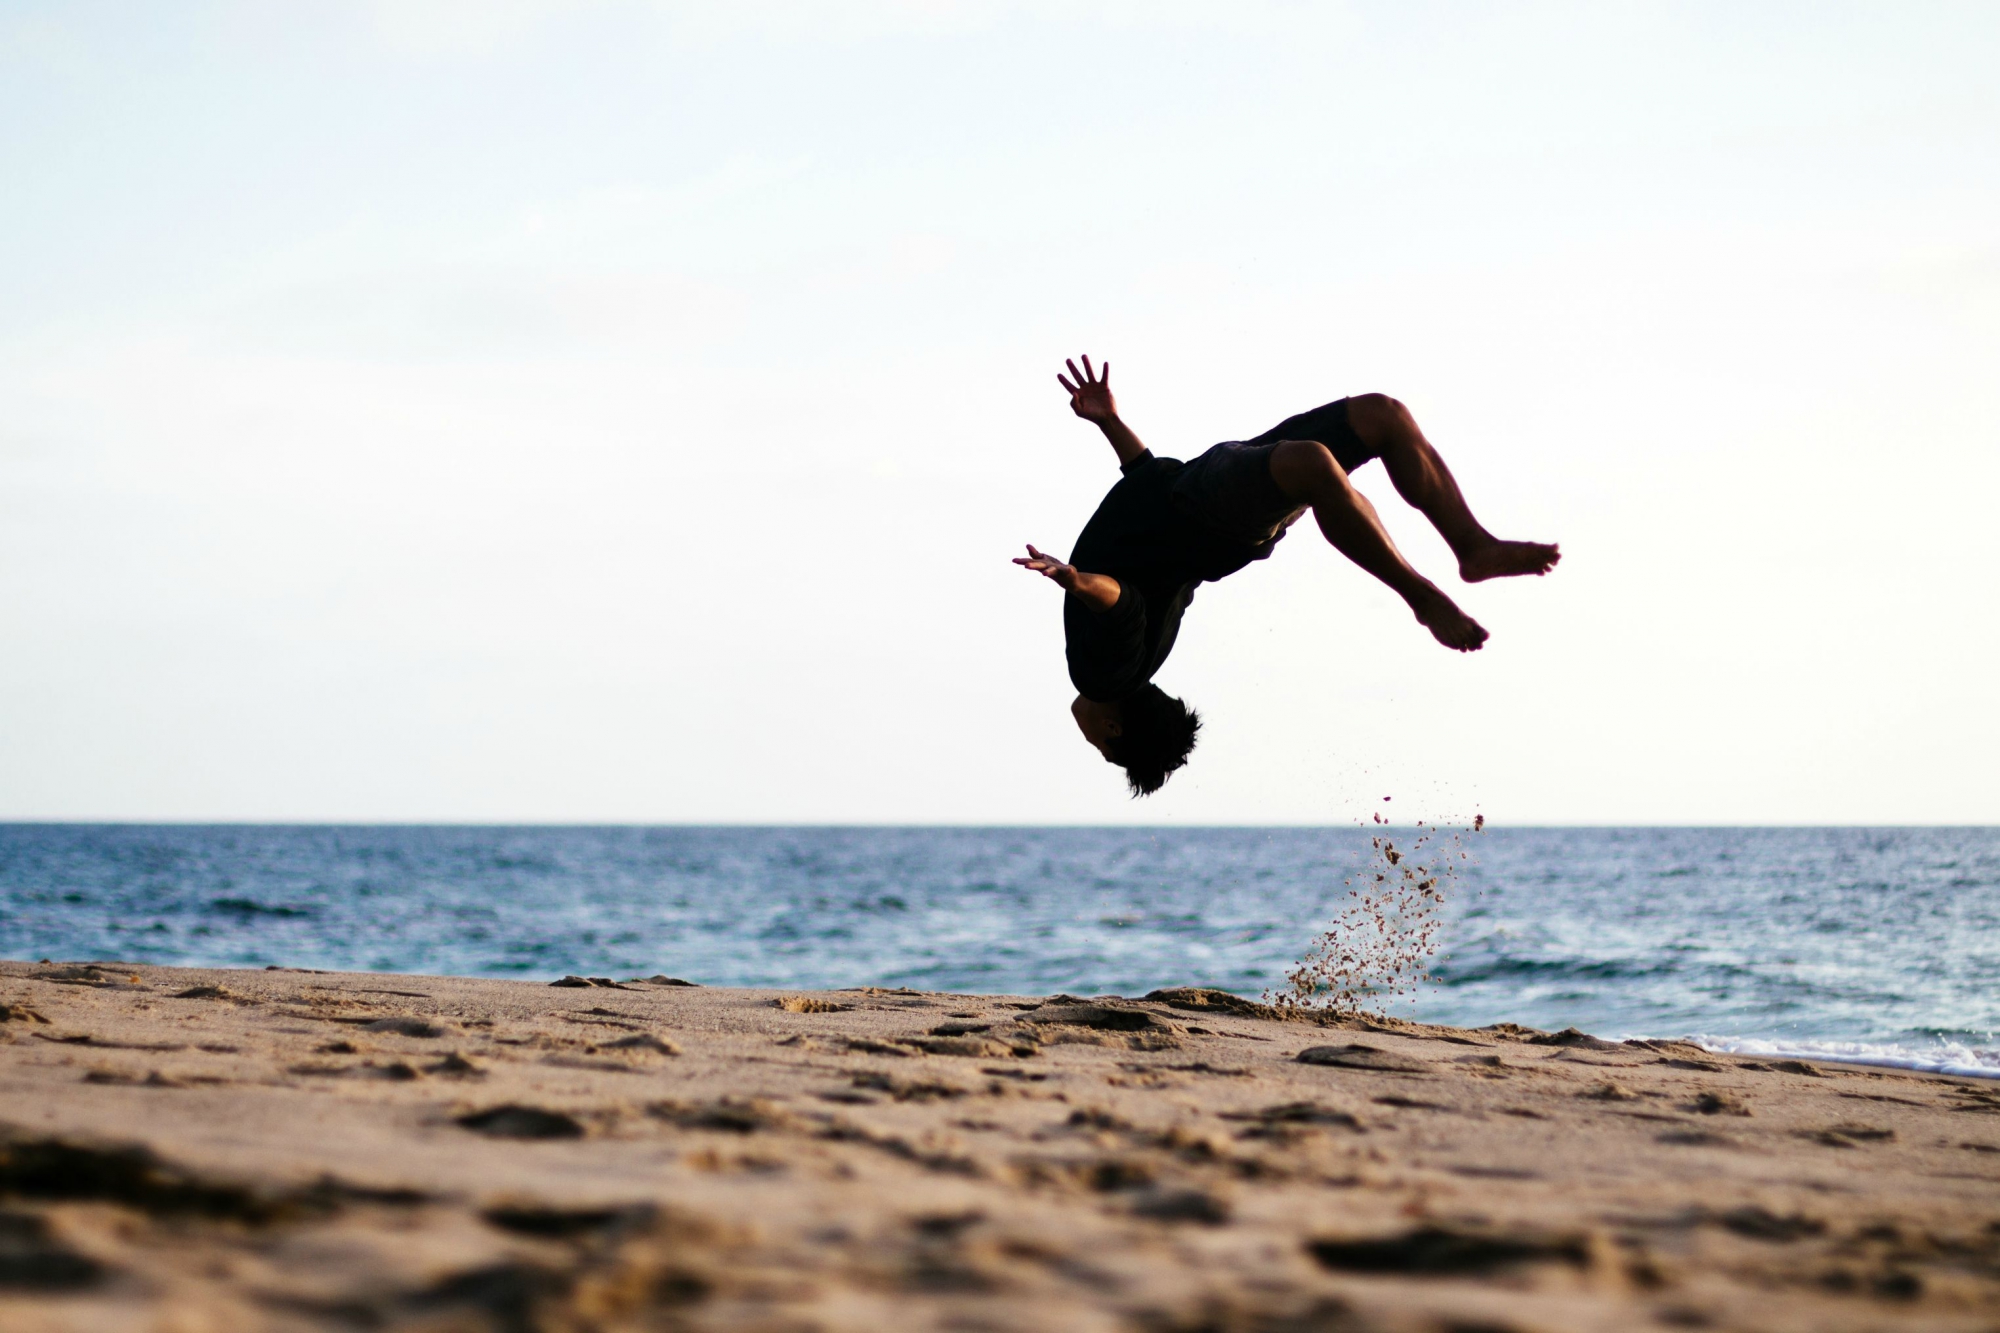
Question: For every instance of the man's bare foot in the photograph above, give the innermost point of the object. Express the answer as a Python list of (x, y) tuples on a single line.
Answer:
[(1504, 559), (1447, 624)]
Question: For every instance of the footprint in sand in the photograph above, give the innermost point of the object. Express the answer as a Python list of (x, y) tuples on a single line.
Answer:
[(1357, 1056), (641, 1042), (1182, 1205), (731, 1115), (1847, 1135), (515, 1121), (404, 1027), (569, 1223), (1283, 1120), (1450, 1252), (1718, 1103), (33, 1258), (1762, 1224)]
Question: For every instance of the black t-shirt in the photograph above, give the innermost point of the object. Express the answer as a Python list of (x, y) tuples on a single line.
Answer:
[(1158, 553)]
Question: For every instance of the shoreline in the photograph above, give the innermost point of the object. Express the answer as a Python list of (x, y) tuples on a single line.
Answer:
[(1830, 1051), (287, 1149), (1860, 1055)]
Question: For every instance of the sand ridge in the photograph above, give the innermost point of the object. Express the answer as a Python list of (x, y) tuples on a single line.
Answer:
[(284, 1149)]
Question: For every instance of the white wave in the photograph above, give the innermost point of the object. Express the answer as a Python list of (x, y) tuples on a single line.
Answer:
[(1940, 1057)]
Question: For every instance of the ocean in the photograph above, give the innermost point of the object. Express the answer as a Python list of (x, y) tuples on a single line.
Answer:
[(1880, 945)]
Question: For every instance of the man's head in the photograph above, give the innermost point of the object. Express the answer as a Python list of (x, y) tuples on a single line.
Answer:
[(1148, 734)]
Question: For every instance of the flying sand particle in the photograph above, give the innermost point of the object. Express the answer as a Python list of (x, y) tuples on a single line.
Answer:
[(1381, 944)]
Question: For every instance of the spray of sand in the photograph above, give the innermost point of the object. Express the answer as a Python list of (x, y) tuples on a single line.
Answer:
[(1381, 943)]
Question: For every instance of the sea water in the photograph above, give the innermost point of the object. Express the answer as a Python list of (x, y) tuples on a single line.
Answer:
[(1854, 943)]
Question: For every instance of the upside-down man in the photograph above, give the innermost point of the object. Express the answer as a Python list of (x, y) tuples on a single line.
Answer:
[(1167, 526)]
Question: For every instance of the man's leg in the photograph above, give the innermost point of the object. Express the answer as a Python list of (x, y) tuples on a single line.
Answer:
[(1307, 473), (1420, 477)]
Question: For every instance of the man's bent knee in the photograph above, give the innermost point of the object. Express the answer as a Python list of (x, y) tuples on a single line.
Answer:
[(1377, 418), (1306, 471)]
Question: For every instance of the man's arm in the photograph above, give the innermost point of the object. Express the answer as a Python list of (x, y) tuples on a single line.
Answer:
[(1090, 398), (1098, 591)]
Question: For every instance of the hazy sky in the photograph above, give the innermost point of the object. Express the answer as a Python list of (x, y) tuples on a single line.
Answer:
[(626, 411)]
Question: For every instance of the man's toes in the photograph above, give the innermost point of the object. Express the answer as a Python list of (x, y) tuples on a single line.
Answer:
[(1465, 637), (1504, 559)]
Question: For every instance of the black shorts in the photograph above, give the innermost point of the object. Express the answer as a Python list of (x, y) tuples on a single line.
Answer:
[(1230, 488)]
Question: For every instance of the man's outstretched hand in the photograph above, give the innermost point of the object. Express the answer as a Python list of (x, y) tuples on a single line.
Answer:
[(1049, 568), (1099, 591), (1090, 398), (1090, 392)]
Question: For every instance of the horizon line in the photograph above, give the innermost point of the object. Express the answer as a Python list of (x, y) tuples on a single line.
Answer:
[(1490, 824)]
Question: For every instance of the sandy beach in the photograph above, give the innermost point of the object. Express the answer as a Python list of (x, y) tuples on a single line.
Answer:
[(282, 1149)]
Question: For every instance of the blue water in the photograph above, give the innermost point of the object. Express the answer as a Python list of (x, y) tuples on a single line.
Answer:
[(1881, 944)]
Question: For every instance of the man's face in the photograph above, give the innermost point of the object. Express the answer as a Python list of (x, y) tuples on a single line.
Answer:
[(1100, 723)]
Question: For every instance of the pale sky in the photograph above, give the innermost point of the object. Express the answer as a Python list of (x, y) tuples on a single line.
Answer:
[(625, 411)]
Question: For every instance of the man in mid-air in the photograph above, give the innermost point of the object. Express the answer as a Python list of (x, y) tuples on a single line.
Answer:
[(1167, 526)]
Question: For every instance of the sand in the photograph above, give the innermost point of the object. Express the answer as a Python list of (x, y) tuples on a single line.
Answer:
[(186, 1150)]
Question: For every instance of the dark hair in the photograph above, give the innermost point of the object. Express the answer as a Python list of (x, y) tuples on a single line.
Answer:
[(1156, 734)]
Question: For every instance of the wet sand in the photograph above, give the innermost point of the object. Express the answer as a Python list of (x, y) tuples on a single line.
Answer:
[(186, 1150)]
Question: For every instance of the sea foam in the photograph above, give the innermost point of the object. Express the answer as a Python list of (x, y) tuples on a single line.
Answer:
[(1948, 1057)]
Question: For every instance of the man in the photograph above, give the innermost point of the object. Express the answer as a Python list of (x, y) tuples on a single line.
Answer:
[(1167, 526)]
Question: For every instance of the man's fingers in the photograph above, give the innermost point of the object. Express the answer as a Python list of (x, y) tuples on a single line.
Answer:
[(1104, 374), (1035, 560), (1088, 373), (1068, 388), (1074, 373)]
